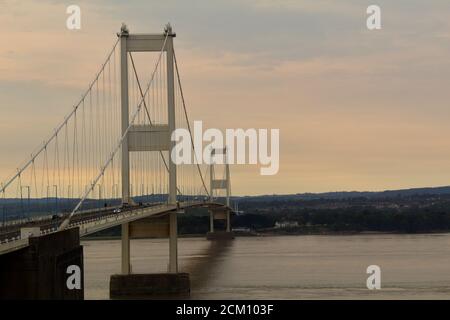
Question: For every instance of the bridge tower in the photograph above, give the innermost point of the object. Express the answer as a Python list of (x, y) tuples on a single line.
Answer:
[(148, 138), (139, 136), (220, 213)]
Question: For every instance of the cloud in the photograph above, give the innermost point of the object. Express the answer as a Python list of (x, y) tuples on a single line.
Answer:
[(356, 109)]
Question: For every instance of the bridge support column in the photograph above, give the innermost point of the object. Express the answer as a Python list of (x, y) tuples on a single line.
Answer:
[(126, 248), (50, 267), (158, 285), (124, 115), (171, 117), (173, 243), (220, 184), (211, 221), (224, 215)]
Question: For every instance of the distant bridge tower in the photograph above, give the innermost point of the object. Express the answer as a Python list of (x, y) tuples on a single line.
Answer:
[(139, 136), (220, 184), (221, 213)]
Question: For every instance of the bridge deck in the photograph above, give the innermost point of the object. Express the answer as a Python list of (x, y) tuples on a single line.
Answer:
[(92, 223)]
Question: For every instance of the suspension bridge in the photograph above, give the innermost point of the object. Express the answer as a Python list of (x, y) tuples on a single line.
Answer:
[(108, 164)]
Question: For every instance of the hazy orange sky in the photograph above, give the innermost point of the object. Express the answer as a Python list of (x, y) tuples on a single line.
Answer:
[(356, 109)]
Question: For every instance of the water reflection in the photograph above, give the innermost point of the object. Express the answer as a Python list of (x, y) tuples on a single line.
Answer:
[(205, 265)]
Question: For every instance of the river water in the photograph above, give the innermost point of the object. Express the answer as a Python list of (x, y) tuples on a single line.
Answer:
[(287, 267)]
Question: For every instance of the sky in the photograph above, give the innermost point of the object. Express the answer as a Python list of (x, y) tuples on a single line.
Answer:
[(356, 109)]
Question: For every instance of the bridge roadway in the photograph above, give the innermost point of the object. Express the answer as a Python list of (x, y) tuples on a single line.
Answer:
[(11, 229), (93, 221)]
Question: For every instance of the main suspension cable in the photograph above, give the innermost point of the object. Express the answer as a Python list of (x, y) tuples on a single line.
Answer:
[(187, 120)]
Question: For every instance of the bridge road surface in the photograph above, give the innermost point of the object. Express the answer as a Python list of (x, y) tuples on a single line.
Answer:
[(48, 222), (92, 222)]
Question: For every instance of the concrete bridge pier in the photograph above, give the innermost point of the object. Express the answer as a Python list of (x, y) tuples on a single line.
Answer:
[(126, 264), (49, 267), (158, 285), (222, 213)]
